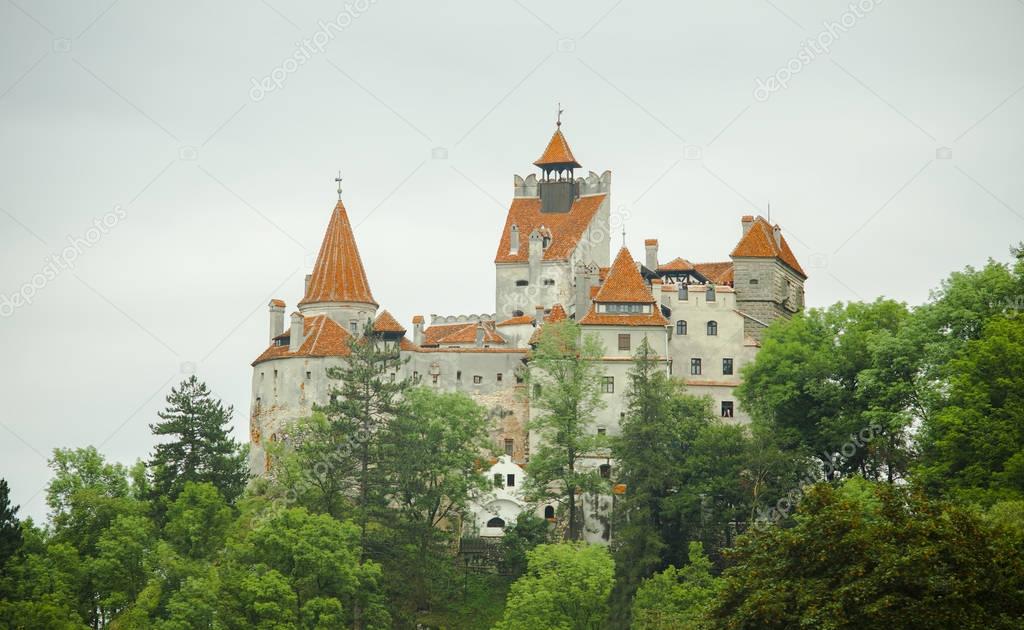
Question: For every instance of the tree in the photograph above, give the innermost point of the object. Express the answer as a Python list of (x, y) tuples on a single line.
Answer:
[(874, 555), (296, 565), (564, 380), (676, 599), (973, 446), (528, 531), (10, 527), (839, 385), (201, 448), (197, 521), (565, 586), (430, 458), (369, 396)]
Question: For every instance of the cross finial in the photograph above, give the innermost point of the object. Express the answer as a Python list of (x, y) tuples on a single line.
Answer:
[(558, 121), (338, 179)]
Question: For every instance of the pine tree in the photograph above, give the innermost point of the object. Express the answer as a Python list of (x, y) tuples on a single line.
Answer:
[(201, 448), (10, 527)]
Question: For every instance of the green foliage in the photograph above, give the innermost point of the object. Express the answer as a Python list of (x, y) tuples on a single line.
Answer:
[(528, 531), (873, 555), (201, 448), (10, 527), (839, 385), (566, 586), (973, 447), (564, 380), (197, 521), (677, 599)]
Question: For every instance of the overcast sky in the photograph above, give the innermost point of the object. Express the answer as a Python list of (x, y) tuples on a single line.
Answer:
[(204, 138)]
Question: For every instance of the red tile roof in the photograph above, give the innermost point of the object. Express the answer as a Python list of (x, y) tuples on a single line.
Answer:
[(278, 303), (517, 321), (557, 314), (654, 318), (417, 319), (338, 275), (566, 227), (385, 322), (651, 241), (717, 272), (322, 337), (624, 283), (463, 332), (677, 264), (557, 152), (759, 242)]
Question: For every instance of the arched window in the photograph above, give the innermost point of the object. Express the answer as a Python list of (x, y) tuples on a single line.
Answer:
[(549, 512), (496, 522), (681, 327), (712, 328)]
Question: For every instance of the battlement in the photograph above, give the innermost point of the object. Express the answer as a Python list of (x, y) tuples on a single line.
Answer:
[(592, 184), (436, 320)]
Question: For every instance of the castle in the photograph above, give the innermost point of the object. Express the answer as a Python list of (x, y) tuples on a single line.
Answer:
[(553, 262)]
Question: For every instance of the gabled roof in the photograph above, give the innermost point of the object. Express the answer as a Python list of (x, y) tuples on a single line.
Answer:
[(385, 322), (462, 332), (677, 264), (522, 320), (557, 314), (624, 283), (566, 228), (759, 242), (717, 272), (338, 275), (322, 337), (557, 152)]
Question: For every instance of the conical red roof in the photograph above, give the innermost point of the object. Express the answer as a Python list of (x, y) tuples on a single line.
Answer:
[(624, 283), (557, 153), (338, 275)]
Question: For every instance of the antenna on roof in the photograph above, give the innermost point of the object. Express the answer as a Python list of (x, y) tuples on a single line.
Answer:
[(338, 179), (558, 121)]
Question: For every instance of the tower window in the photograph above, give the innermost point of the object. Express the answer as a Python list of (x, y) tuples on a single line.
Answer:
[(497, 377), (478, 379), (353, 325), (510, 446), (608, 384), (727, 366), (549, 282), (727, 409), (606, 471), (602, 431), (695, 367), (624, 342), (712, 328), (458, 376), (681, 327), (753, 281), (710, 293), (522, 283), (309, 375), (549, 512), (435, 377), (684, 292), (517, 313)]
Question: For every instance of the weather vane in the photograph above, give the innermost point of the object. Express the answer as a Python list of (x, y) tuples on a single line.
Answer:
[(558, 122), (338, 179)]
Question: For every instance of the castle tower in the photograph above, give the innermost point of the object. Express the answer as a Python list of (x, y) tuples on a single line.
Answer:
[(769, 281), (338, 286)]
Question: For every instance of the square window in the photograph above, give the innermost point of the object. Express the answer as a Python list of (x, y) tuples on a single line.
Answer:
[(510, 446), (608, 384), (726, 366), (478, 379), (695, 367), (727, 409), (498, 377), (624, 342), (510, 480), (309, 375), (602, 431), (499, 481)]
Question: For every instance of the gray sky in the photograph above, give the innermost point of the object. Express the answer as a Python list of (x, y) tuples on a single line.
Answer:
[(216, 195)]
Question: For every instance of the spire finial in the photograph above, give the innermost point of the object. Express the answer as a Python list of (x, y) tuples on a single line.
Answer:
[(623, 236), (769, 212), (558, 121), (338, 179)]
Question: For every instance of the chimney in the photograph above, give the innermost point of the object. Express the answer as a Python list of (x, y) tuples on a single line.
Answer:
[(651, 245), (538, 314), (417, 330), (777, 231), (305, 287), (514, 240), (276, 308), (747, 221), (295, 336), (479, 334)]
